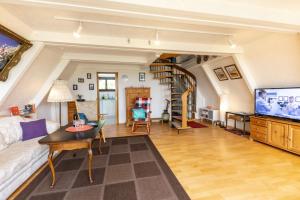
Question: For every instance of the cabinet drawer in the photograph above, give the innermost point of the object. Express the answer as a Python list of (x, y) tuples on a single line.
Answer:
[(259, 136), (259, 122), (260, 129)]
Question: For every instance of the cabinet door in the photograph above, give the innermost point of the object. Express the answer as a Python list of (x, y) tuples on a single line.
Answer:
[(294, 138), (278, 134)]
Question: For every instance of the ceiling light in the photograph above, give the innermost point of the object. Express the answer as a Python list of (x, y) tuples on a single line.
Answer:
[(76, 33), (156, 41)]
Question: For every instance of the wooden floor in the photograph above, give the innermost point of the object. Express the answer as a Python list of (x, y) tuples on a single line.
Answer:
[(211, 163)]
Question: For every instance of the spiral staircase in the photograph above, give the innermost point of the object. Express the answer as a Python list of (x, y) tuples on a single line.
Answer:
[(182, 85)]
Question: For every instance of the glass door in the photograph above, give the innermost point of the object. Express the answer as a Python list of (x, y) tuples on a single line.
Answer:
[(107, 96)]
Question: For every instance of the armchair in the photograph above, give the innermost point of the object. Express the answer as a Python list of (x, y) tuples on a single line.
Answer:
[(141, 114)]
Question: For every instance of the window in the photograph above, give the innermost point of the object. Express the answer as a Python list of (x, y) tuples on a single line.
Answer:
[(107, 84)]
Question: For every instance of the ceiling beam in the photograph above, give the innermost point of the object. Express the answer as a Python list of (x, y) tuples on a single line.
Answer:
[(49, 82), (105, 58), (134, 44), (154, 28)]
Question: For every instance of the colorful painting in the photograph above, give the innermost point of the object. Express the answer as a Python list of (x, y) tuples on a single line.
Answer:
[(11, 48), (8, 48)]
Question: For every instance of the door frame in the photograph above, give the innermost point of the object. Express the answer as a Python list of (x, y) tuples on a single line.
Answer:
[(116, 94)]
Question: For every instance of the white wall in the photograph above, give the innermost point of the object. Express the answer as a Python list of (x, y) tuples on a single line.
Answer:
[(234, 94), (33, 78), (206, 94), (158, 92), (273, 60)]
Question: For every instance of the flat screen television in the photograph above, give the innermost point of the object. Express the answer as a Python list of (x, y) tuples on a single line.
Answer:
[(278, 102)]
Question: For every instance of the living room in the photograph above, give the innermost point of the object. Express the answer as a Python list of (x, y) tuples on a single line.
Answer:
[(122, 99)]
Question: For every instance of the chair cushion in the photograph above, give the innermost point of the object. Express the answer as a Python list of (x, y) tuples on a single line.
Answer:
[(83, 116), (33, 129), (139, 113), (144, 103)]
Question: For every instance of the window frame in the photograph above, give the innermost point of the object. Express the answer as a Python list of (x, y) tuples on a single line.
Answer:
[(106, 78)]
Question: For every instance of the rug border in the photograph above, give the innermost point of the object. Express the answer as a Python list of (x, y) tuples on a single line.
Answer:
[(175, 184)]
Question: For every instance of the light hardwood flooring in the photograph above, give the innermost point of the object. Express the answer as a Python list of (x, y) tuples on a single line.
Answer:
[(211, 163)]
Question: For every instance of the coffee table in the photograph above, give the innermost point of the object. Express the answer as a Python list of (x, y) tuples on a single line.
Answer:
[(62, 140)]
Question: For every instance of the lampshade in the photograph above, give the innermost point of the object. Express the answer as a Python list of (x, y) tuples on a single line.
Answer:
[(60, 92)]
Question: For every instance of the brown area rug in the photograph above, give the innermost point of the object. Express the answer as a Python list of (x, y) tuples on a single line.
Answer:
[(129, 168)]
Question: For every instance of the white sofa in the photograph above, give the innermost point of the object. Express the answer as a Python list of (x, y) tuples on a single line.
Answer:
[(19, 159)]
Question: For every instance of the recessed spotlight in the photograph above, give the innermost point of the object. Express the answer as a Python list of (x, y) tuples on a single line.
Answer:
[(156, 41), (76, 33)]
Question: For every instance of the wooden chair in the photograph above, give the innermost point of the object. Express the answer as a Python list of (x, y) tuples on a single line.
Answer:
[(142, 103), (87, 110), (101, 136)]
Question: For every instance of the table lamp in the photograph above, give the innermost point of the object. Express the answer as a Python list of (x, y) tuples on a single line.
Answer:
[(60, 93)]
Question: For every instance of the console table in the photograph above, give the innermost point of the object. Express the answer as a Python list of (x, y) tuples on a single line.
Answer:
[(238, 116)]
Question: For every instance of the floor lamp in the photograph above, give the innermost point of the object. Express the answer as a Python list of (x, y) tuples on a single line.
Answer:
[(60, 93)]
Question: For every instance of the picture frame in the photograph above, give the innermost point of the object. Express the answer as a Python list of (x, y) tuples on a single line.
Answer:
[(12, 46), (89, 76), (220, 73), (80, 80), (297, 99), (142, 76), (75, 87), (233, 72), (91, 86)]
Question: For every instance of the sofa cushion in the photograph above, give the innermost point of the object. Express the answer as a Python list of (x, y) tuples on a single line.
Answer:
[(52, 126), (19, 155), (8, 132), (3, 144), (33, 129), (10, 128)]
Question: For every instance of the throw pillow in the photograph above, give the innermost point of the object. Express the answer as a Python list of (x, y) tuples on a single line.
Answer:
[(139, 113), (33, 129), (9, 133), (3, 144)]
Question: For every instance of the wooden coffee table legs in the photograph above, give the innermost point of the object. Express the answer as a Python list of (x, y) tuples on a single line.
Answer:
[(90, 162), (85, 144), (50, 162)]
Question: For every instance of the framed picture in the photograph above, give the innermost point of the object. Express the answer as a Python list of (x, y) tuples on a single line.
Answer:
[(280, 98), (142, 76), (80, 80), (12, 46), (220, 74), (233, 72), (75, 87), (91, 86), (297, 99), (89, 76)]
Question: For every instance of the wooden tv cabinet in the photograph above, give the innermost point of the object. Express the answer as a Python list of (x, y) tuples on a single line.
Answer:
[(282, 134)]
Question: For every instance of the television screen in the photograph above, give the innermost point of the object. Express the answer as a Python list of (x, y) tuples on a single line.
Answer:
[(280, 102)]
